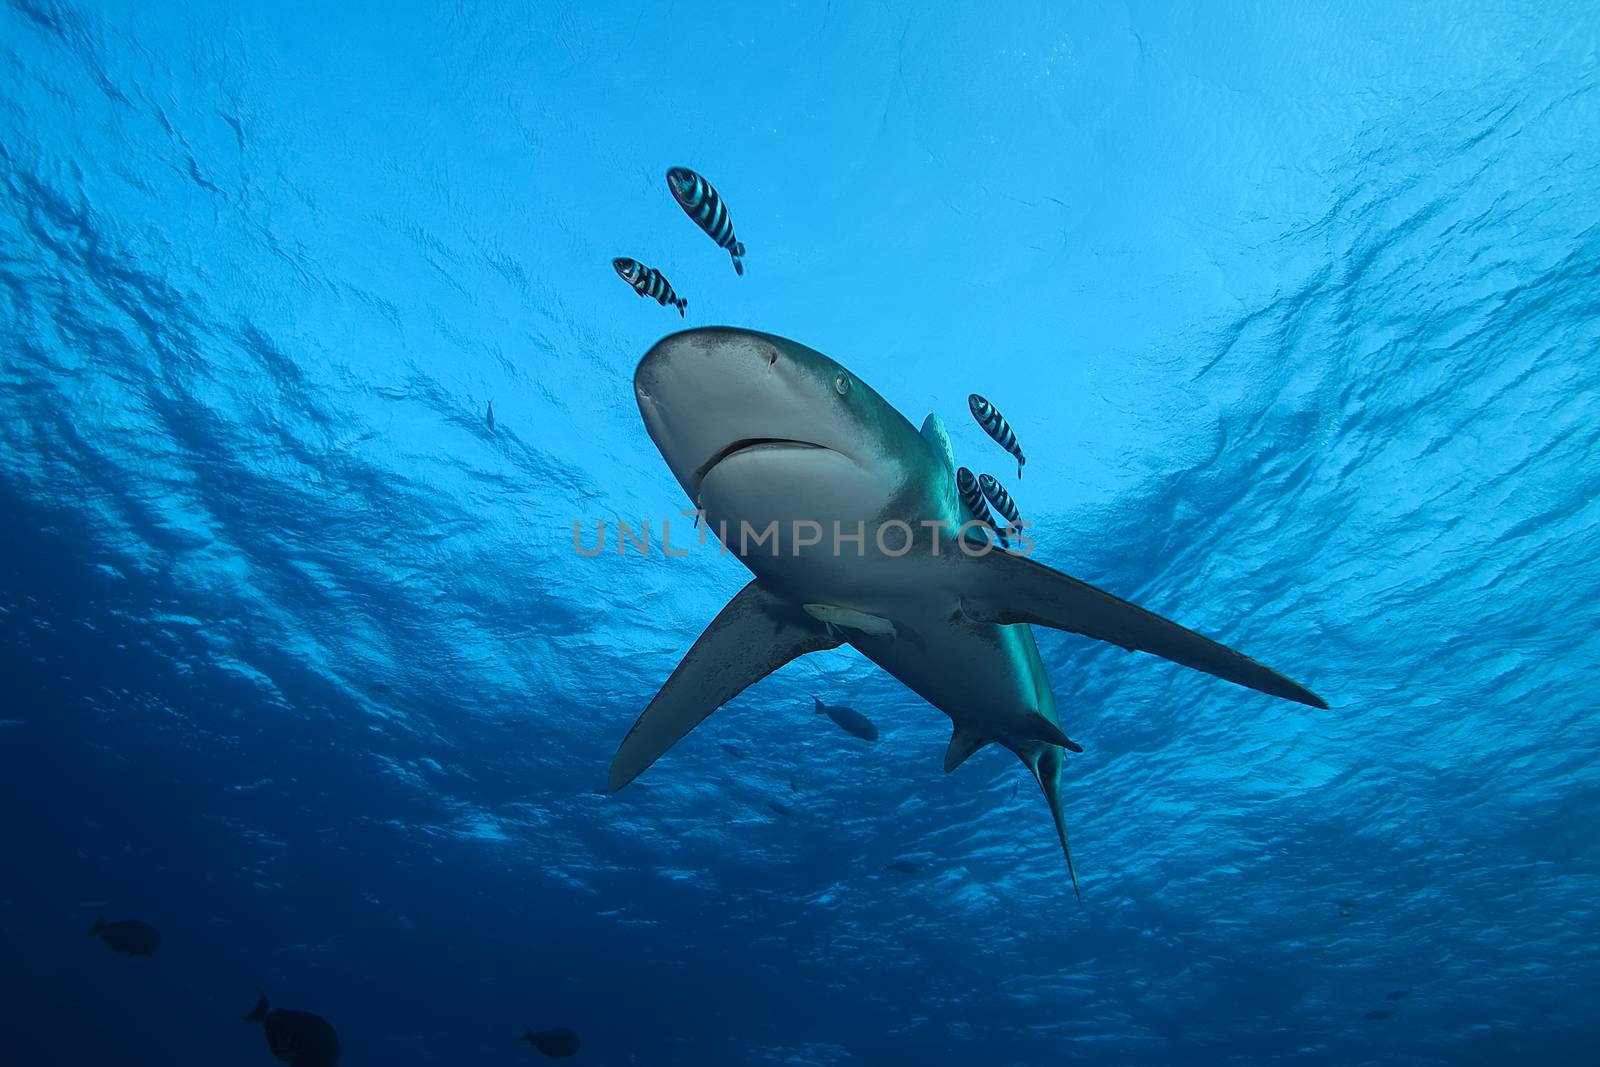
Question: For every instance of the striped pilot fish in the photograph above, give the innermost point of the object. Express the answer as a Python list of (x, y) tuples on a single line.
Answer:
[(995, 425), (647, 281), (972, 497), (702, 204), (999, 498)]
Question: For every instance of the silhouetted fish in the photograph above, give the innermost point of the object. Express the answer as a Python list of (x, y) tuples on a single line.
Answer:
[(733, 750), (557, 1044), (1379, 1015), (131, 937), (794, 787), (490, 416), (779, 809), (298, 1038), (1397, 994), (849, 720), (905, 867)]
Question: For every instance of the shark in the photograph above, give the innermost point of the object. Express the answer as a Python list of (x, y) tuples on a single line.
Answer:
[(849, 520)]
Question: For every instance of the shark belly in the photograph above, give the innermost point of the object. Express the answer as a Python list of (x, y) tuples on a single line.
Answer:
[(812, 525), (981, 675)]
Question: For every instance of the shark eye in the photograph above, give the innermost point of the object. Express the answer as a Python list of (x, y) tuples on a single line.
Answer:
[(841, 383)]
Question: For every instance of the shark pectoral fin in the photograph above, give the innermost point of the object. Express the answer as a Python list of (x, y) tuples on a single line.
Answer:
[(1006, 588), (963, 743), (755, 634)]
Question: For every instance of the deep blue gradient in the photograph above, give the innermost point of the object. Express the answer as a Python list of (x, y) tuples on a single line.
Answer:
[(1295, 307)]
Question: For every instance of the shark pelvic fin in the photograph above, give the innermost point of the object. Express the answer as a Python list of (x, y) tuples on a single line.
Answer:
[(963, 743), (1002, 587), (753, 635), (1039, 728)]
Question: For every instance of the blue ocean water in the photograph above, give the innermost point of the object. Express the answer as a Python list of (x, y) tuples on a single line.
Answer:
[(1296, 309)]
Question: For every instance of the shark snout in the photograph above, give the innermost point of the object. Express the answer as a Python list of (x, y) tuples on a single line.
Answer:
[(687, 367), (708, 394)]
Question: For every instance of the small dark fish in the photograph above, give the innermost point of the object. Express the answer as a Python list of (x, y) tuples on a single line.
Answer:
[(972, 497), (1397, 994), (557, 1044), (510, 723), (1013, 791), (995, 425), (1001, 499), (131, 937), (794, 787), (779, 809), (849, 720), (647, 281), (490, 416), (702, 204), (298, 1038), (905, 867), (1380, 1014), (733, 750)]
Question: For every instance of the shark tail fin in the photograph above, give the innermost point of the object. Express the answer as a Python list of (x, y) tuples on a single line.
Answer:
[(1046, 768), (259, 1012), (99, 925), (816, 705), (737, 252)]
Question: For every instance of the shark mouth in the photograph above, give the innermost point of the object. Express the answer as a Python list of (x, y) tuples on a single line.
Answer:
[(749, 444)]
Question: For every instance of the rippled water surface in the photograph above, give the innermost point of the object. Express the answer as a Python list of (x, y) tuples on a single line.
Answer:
[(1294, 307)]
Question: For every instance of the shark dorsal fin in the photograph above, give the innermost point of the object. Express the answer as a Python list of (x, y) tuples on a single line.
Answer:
[(938, 439), (963, 743)]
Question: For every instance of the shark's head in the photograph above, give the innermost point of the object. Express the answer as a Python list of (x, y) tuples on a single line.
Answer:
[(758, 428)]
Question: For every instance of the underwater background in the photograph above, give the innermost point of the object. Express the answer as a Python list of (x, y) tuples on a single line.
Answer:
[(1295, 308)]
